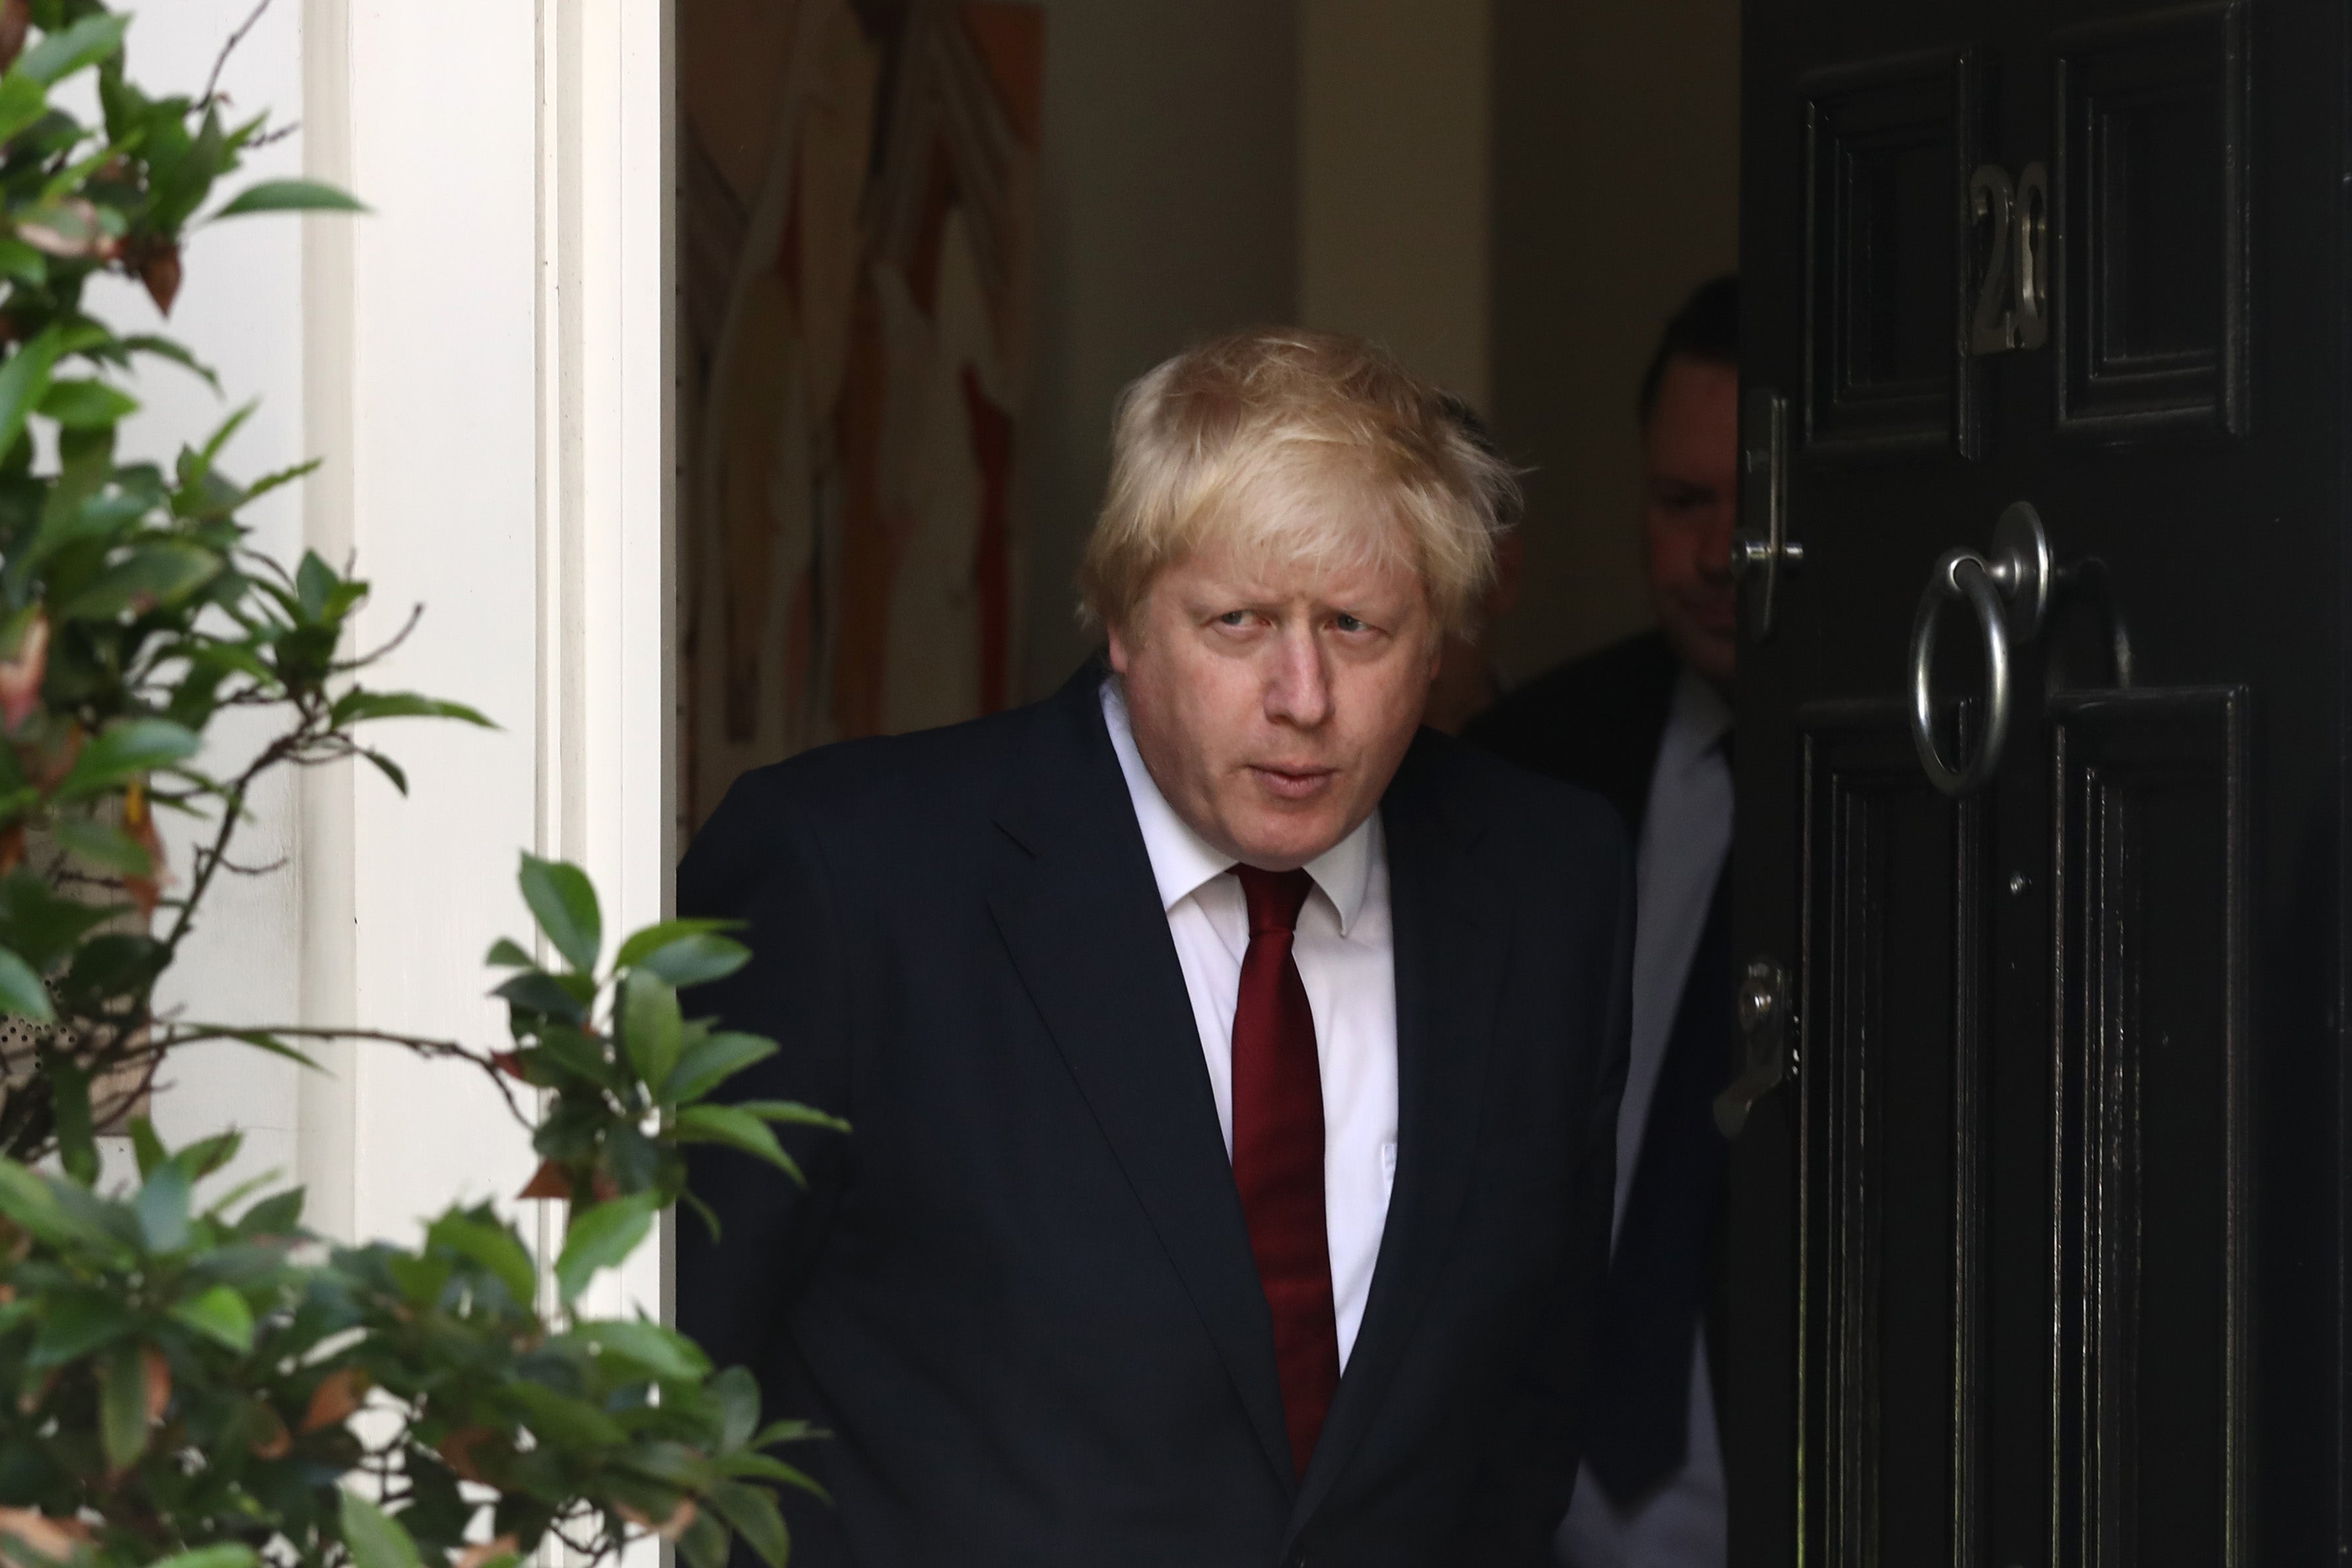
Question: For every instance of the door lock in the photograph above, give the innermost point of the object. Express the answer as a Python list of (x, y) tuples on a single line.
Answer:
[(1764, 1029)]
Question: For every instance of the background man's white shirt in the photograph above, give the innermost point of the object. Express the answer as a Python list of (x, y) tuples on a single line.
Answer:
[(1685, 837), (1346, 952)]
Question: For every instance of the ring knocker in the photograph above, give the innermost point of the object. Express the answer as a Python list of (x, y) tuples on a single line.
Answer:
[(2008, 590)]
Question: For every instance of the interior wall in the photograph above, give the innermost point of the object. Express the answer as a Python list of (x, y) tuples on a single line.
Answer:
[(1616, 177), (1169, 209), (1393, 159)]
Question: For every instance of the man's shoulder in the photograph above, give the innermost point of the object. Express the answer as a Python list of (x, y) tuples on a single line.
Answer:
[(899, 791)]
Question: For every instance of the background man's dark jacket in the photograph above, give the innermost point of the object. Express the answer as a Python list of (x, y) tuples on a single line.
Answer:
[(1595, 721), (1598, 721), (1020, 1294)]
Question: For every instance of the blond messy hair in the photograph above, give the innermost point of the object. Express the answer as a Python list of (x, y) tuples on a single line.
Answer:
[(1296, 445)]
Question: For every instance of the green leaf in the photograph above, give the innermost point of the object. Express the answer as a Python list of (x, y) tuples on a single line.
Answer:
[(164, 347), (163, 573), (29, 1200), (734, 1128), (660, 1352), (228, 1554), (20, 263), (103, 845), (280, 1214), (22, 995), (78, 1323), (695, 959), (563, 901), (388, 768), (86, 405), (756, 1518), (162, 1207), (654, 938), (650, 1025), (766, 1467), (602, 1236), (290, 196), (23, 379), (70, 1096), (148, 1148), (262, 1040), (792, 1113), (705, 1542), (737, 1394), (507, 954), (125, 750), (373, 1536), (537, 991), (22, 101), (221, 1314), (359, 707), (560, 1418), (494, 1247), (64, 52), (122, 1405), (709, 1063)]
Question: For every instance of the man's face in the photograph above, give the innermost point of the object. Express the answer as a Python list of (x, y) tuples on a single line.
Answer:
[(1690, 490), (1272, 703)]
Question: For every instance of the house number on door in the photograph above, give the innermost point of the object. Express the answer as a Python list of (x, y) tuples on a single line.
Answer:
[(2013, 308)]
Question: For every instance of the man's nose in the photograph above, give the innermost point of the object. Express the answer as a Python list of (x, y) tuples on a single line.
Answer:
[(1298, 687)]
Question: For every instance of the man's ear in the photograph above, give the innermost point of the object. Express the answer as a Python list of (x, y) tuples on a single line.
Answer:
[(1116, 635)]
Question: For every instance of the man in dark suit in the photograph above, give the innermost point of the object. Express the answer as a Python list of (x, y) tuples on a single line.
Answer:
[(1648, 723), (1233, 1068)]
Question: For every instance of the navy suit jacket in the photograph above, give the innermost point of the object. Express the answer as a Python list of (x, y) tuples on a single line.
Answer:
[(1019, 1294)]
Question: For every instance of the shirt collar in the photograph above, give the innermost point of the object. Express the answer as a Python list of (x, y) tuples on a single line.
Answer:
[(1182, 861), (1696, 720)]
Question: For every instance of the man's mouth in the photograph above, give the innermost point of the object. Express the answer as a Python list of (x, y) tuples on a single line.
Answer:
[(1288, 782)]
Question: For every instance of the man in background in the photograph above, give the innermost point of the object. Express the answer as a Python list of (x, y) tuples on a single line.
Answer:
[(1647, 722)]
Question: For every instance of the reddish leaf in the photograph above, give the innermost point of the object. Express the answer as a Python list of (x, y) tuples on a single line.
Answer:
[(336, 1399), (459, 1451), (275, 1442), (548, 1181), (670, 1529), (159, 270), (15, 19), (22, 672), (159, 1384), (476, 1555)]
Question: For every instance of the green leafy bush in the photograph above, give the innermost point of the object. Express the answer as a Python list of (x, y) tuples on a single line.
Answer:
[(190, 1376)]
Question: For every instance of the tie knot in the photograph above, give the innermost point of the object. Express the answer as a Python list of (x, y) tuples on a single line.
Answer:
[(1274, 898)]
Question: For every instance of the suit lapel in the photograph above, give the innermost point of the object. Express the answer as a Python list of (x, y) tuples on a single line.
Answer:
[(1449, 971), (1080, 914)]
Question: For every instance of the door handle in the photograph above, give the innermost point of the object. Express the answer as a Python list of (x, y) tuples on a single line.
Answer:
[(1761, 551), (2010, 592)]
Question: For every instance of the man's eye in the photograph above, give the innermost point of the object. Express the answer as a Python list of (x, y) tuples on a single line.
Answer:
[(1234, 618), (1347, 622)]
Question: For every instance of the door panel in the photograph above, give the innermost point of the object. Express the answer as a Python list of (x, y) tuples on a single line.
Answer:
[(2039, 1251), (2149, 1136), (1890, 1118), (2151, 156), (1884, 141)]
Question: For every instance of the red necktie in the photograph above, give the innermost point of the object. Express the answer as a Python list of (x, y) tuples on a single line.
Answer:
[(1279, 1155)]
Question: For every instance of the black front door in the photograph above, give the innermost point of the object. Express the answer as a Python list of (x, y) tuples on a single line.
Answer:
[(2038, 1224)]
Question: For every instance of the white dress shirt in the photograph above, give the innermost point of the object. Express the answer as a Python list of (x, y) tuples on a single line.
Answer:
[(1686, 837), (1346, 952)]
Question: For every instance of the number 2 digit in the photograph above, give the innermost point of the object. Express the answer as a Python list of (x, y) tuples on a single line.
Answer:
[(1992, 330)]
